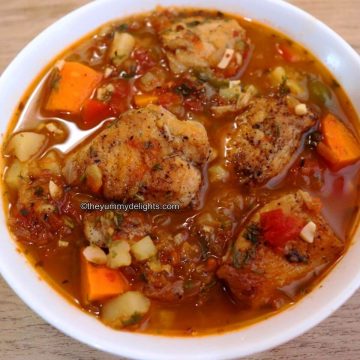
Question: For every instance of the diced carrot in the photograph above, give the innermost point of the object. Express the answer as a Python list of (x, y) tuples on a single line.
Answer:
[(98, 282), (339, 147), (144, 99), (73, 84)]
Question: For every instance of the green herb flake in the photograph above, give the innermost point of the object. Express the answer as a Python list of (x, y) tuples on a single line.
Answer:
[(156, 167), (134, 319), (24, 212), (184, 90), (122, 28), (242, 258), (283, 88), (39, 191), (253, 233), (193, 23)]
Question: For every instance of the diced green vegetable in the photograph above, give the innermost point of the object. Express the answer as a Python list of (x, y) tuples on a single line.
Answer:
[(125, 310)]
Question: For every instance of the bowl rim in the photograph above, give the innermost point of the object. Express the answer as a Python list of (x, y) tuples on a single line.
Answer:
[(169, 347)]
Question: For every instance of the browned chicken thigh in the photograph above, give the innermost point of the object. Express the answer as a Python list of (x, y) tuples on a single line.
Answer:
[(147, 154)]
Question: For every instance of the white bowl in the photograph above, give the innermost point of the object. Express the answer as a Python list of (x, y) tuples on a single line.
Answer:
[(336, 288)]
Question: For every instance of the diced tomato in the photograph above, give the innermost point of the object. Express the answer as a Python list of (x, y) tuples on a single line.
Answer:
[(287, 52), (94, 111), (120, 99), (144, 60), (279, 228)]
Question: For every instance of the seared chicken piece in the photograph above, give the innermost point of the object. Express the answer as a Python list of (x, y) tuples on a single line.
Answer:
[(273, 251), (267, 135), (198, 42), (147, 154)]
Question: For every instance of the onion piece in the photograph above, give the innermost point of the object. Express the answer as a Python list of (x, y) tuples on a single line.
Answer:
[(226, 59)]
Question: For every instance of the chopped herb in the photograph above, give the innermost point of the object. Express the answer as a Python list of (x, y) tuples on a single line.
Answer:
[(313, 140), (24, 212), (143, 277), (283, 88), (193, 23), (122, 27), (147, 144), (253, 233), (134, 319), (242, 258), (39, 191), (293, 256), (156, 167), (118, 219), (184, 89), (204, 247), (227, 224), (276, 132)]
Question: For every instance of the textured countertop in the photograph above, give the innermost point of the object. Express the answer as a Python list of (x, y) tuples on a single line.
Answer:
[(23, 335)]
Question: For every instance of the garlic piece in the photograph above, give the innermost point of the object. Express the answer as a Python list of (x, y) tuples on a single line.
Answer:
[(301, 109), (95, 255), (308, 232)]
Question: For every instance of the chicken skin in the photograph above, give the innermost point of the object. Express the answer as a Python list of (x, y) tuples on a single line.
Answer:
[(145, 155), (272, 251), (267, 135), (198, 42)]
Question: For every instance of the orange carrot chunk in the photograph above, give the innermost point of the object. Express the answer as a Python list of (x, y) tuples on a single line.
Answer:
[(98, 282), (71, 86), (339, 146)]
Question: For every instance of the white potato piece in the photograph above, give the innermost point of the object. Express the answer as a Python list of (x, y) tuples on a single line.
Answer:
[(121, 47), (119, 254), (144, 249), (95, 255), (126, 309), (26, 144), (14, 174)]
